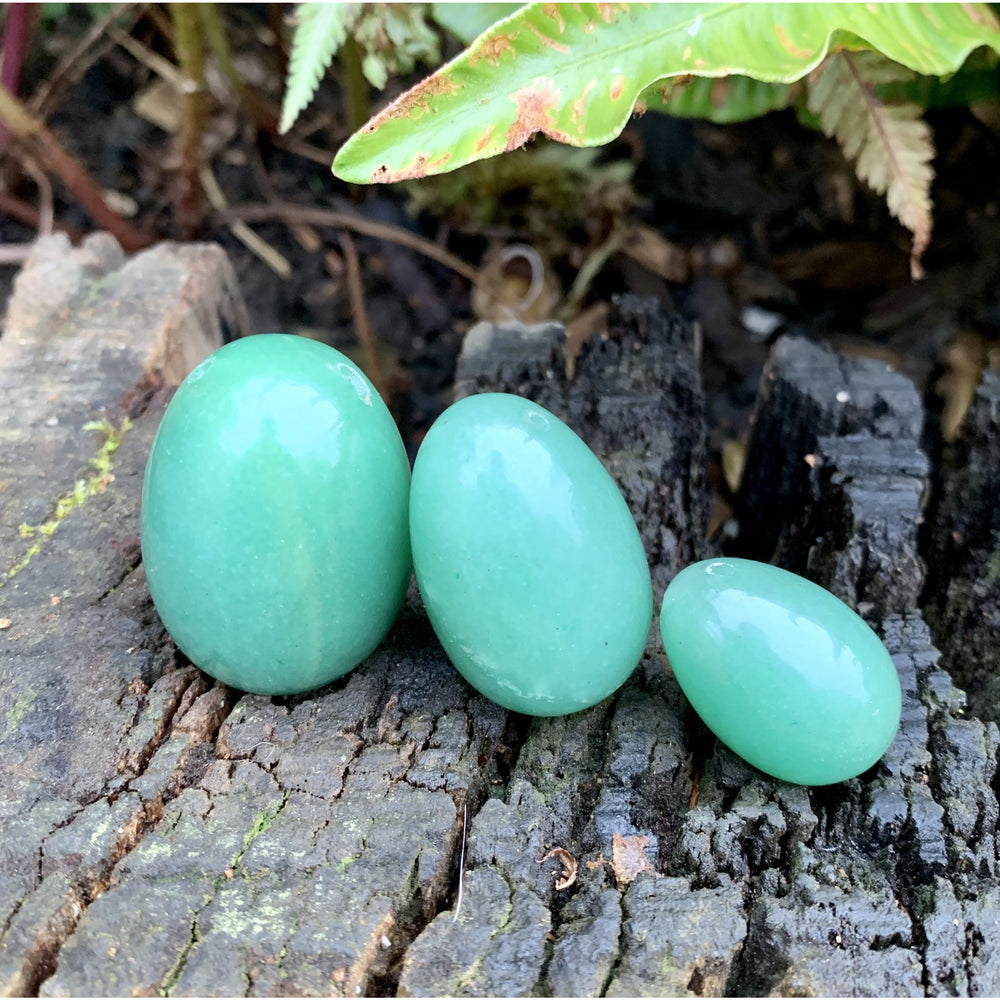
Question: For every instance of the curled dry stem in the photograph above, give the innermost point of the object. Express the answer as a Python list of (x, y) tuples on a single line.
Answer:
[(38, 143)]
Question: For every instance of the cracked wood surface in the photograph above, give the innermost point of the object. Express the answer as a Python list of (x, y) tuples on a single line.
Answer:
[(165, 835), (963, 539)]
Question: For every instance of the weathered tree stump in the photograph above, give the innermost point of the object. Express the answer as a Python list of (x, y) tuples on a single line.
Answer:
[(963, 544), (165, 835)]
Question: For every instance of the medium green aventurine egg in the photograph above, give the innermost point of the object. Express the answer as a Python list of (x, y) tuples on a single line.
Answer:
[(274, 515), (529, 563), (785, 674)]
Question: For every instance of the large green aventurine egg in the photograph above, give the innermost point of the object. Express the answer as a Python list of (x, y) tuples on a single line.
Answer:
[(274, 515), (784, 673), (528, 560)]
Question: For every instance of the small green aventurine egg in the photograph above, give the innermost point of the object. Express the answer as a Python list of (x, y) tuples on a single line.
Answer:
[(529, 563), (274, 515), (785, 674)]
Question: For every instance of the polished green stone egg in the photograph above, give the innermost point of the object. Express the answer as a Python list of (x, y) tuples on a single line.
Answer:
[(275, 535), (529, 563), (785, 674)]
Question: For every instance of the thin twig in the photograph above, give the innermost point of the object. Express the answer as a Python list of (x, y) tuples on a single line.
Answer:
[(15, 253), (356, 293), (80, 58), (23, 212), (276, 261), (28, 215), (461, 860), (304, 149), (342, 220), (264, 116), (46, 215), (41, 144), (591, 267), (145, 56)]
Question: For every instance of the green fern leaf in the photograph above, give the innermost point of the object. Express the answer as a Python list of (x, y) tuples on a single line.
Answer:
[(890, 145), (320, 30)]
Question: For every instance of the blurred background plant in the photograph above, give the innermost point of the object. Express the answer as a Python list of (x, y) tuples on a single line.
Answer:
[(576, 73), (220, 122)]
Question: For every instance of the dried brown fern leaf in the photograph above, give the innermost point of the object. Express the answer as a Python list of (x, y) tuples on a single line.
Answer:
[(890, 145)]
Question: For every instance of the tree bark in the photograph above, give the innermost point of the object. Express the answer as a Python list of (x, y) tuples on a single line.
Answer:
[(165, 835)]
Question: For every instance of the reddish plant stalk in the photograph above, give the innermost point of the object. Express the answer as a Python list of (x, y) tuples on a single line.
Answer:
[(46, 149), (16, 36)]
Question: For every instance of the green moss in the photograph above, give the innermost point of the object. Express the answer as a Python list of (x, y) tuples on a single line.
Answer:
[(19, 710), (667, 963), (261, 825), (82, 491)]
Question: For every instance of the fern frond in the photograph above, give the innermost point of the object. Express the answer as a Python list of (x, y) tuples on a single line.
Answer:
[(320, 30), (890, 145)]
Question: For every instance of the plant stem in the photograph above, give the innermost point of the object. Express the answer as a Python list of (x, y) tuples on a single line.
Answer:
[(276, 18), (264, 116), (358, 102), (41, 144), (362, 324), (190, 204), (283, 212), (16, 35)]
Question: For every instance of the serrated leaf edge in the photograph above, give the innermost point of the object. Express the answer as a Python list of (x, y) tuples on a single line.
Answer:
[(320, 30), (890, 146)]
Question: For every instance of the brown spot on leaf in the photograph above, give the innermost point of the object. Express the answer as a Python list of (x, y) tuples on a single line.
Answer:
[(548, 42), (580, 107), (569, 866), (492, 49), (552, 10), (484, 142), (617, 86), (610, 12), (675, 83), (535, 105), (421, 167), (980, 14), (789, 46), (415, 102), (628, 858)]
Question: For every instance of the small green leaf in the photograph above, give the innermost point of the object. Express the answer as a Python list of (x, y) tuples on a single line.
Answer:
[(320, 30), (393, 38), (573, 72)]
